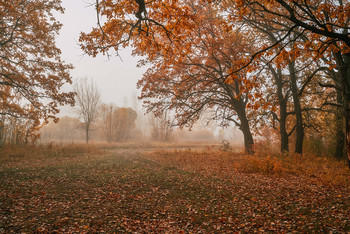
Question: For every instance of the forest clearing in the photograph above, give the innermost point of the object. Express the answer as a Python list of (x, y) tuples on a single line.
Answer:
[(169, 189), (174, 116)]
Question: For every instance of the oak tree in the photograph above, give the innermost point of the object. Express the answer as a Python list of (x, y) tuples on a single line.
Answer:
[(324, 25), (318, 28), (191, 67), (31, 69), (198, 81)]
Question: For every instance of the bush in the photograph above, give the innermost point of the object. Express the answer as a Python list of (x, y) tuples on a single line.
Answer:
[(263, 165)]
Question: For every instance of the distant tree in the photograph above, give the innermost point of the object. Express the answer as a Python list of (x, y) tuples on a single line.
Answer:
[(67, 129), (161, 129), (88, 101), (124, 123), (18, 130), (108, 123), (117, 123)]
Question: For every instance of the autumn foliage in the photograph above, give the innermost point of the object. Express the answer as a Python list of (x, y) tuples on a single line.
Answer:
[(254, 63), (32, 71), (277, 69)]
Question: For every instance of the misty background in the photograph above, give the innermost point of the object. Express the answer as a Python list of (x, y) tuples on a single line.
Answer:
[(116, 78)]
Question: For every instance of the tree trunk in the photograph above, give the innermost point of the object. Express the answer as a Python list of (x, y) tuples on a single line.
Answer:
[(343, 64), (346, 79), (244, 127), (283, 121), (284, 135), (240, 107), (87, 128), (339, 125), (347, 130), (297, 109), (282, 101), (248, 139)]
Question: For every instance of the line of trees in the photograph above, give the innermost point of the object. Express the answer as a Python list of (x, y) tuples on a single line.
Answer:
[(117, 123), (17, 131), (72, 129), (257, 63)]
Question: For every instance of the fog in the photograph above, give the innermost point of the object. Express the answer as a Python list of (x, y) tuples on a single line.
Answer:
[(144, 129), (116, 78)]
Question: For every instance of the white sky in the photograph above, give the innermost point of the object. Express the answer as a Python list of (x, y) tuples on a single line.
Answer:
[(115, 78)]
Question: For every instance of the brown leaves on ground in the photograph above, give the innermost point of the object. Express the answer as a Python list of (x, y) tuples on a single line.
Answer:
[(128, 190), (284, 193)]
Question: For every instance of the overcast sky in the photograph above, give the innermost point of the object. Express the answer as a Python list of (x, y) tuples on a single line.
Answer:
[(115, 78)]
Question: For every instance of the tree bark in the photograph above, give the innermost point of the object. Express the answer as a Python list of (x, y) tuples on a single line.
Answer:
[(347, 117), (343, 65), (346, 79), (283, 132), (248, 138), (282, 101), (339, 125), (244, 127), (87, 128), (297, 108)]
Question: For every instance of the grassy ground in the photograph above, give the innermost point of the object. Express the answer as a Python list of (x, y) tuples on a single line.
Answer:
[(123, 189)]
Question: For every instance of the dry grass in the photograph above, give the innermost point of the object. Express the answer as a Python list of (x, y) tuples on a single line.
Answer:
[(122, 188), (153, 145), (41, 155), (326, 170), (48, 150)]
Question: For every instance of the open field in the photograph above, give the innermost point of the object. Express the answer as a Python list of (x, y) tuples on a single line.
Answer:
[(124, 188)]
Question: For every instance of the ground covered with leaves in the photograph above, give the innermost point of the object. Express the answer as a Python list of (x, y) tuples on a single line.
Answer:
[(119, 189)]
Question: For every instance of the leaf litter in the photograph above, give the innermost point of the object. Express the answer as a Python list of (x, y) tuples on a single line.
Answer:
[(171, 192)]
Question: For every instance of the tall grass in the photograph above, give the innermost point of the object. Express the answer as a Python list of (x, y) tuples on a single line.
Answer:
[(319, 169), (45, 155), (48, 150)]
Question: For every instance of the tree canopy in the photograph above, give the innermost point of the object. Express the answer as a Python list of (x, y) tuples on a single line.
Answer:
[(32, 71), (184, 43)]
